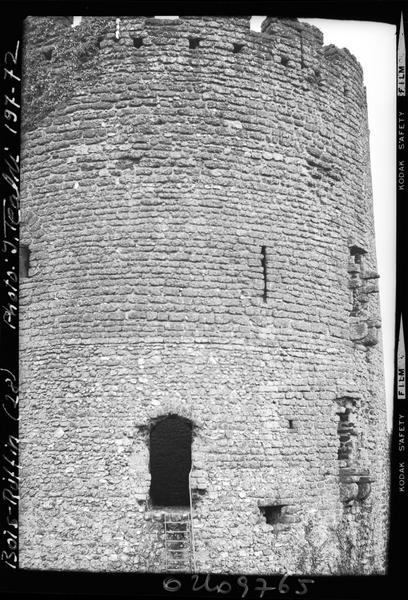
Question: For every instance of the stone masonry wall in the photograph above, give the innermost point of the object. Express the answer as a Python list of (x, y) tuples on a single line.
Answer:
[(147, 197)]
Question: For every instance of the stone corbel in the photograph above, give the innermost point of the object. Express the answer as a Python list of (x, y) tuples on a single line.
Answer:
[(370, 275), (355, 484), (365, 332)]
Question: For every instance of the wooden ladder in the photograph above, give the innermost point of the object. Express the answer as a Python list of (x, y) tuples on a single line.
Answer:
[(178, 541)]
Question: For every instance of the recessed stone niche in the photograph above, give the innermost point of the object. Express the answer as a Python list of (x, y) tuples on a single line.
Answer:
[(278, 514)]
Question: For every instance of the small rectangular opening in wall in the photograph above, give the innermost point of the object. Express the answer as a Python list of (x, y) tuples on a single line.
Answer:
[(137, 42), (236, 48), (291, 424), (47, 52), (356, 252), (194, 42), (24, 261), (273, 513)]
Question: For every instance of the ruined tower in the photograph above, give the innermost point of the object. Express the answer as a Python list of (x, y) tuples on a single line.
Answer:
[(201, 378)]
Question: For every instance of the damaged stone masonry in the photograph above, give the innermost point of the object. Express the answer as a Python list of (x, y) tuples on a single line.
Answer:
[(200, 349), (355, 482), (362, 283)]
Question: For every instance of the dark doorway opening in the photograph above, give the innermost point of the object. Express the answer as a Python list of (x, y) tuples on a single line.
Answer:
[(170, 461)]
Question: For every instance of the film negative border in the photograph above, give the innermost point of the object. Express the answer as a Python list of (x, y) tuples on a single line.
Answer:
[(202, 585)]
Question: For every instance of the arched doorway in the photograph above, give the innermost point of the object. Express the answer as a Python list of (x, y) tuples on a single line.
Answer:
[(170, 461)]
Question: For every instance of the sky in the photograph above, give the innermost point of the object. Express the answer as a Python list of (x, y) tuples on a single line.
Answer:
[(374, 46)]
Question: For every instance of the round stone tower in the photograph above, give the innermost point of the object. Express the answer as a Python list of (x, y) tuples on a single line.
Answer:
[(201, 383)]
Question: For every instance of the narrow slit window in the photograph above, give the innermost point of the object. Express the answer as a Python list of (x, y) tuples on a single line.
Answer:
[(264, 262), (24, 261)]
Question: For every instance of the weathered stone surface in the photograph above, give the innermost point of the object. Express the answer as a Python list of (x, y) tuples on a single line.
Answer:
[(146, 199), (358, 331)]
